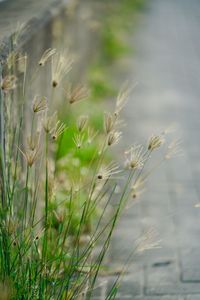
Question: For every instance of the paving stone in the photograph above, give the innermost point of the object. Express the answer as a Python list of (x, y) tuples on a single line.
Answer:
[(166, 63), (177, 173), (188, 227), (162, 277), (130, 286), (166, 297), (121, 297), (176, 289), (190, 262), (161, 274), (100, 289)]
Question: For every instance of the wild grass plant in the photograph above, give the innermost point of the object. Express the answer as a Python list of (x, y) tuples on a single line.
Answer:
[(58, 182)]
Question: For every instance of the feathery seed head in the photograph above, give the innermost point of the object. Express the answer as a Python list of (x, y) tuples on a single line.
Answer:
[(149, 241), (22, 63), (18, 33), (33, 141), (76, 94), (109, 122), (107, 172), (174, 149), (16, 58), (8, 83), (135, 157), (91, 134), (59, 216), (46, 56), (138, 187), (39, 104), (39, 235), (78, 140), (122, 99), (113, 137), (82, 123), (155, 141), (57, 130), (169, 129), (30, 156), (11, 59), (49, 123), (60, 67)]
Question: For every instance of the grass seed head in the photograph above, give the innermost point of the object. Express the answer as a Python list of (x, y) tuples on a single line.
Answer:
[(16, 59), (174, 149), (78, 140), (30, 156), (155, 142), (11, 59), (138, 187), (39, 104), (135, 157), (20, 30), (48, 53), (149, 241), (82, 123), (22, 63), (49, 122), (8, 83), (108, 172), (60, 67), (109, 122), (33, 141), (114, 138), (77, 93), (122, 99), (57, 130), (91, 134)]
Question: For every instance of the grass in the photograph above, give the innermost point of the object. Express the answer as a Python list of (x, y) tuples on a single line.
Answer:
[(58, 182)]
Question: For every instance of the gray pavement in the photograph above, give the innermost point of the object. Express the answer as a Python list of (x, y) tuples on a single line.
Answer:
[(166, 63)]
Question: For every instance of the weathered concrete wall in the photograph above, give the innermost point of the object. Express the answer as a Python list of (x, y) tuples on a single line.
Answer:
[(63, 24)]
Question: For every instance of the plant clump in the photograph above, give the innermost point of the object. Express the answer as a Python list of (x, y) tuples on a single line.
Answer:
[(57, 183)]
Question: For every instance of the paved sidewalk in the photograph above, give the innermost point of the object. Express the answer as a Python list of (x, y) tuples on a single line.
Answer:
[(166, 63)]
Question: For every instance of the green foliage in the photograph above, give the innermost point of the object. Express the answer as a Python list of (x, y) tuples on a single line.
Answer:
[(115, 24), (113, 44), (100, 83)]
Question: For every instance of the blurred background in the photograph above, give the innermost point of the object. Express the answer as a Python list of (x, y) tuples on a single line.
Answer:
[(155, 46)]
